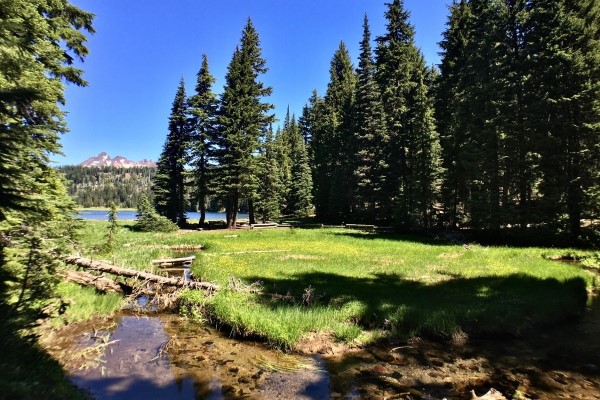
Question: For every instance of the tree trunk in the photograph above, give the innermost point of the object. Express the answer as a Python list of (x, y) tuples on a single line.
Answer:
[(251, 218), (101, 283), (202, 210), (141, 275)]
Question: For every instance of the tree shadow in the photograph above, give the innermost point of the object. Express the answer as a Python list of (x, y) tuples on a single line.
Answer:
[(514, 237), (505, 305), (520, 328)]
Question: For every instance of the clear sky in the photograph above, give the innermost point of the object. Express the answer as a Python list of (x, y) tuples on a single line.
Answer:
[(142, 48)]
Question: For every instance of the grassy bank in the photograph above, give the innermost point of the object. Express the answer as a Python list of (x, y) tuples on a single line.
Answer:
[(348, 282)]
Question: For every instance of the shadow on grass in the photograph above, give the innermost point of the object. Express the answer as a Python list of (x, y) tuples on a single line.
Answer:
[(28, 371), (571, 348), (514, 237), (488, 305), (537, 315)]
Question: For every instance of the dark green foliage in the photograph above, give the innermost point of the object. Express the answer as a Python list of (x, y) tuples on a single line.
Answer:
[(148, 219), (243, 119), (565, 79), (518, 110), (39, 40), (371, 138), (203, 109), (270, 189), (168, 183), (316, 126), (413, 154), (113, 226), (100, 186), (450, 109), (299, 200), (331, 140)]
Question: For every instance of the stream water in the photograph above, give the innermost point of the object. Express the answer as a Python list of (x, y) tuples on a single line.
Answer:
[(154, 356), (165, 357)]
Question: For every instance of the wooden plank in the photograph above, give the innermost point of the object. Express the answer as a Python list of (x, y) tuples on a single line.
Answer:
[(173, 260)]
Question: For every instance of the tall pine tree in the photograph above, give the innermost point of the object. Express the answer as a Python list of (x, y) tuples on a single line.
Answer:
[(40, 41), (334, 160), (370, 137), (203, 106), (168, 184), (564, 41), (270, 188), (300, 191), (243, 120), (413, 140)]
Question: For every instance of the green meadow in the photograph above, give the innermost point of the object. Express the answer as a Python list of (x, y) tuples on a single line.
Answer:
[(284, 284)]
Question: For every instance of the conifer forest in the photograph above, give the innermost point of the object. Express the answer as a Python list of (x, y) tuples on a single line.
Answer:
[(502, 134)]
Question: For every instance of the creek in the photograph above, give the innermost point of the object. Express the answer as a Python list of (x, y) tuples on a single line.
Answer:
[(161, 356), (166, 357)]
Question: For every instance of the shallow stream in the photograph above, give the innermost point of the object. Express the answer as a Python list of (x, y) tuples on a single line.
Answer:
[(137, 356), (166, 357)]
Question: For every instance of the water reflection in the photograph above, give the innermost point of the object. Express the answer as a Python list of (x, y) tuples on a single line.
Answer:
[(164, 357), (135, 364)]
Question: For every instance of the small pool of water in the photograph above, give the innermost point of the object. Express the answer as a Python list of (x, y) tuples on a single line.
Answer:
[(165, 357)]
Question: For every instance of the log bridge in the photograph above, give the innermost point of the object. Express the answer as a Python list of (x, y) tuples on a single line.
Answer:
[(172, 266), (99, 266)]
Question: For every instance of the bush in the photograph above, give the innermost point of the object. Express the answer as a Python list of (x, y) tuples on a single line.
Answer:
[(148, 220)]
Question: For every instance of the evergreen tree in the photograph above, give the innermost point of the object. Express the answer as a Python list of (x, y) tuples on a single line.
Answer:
[(270, 190), (413, 142), (168, 183), (283, 144), (148, 219), (316, 124), (203, 109), (40, 41), (370, 137), (451, 110), (243, 119), (424, 155), (113, 226), (338, 141), (300, 190), (564, 42)]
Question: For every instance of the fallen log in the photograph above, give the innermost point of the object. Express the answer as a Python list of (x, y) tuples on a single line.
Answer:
[(101, 283), (86, 263)]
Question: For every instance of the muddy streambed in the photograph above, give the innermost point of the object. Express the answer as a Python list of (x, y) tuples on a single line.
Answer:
[(167, 357)]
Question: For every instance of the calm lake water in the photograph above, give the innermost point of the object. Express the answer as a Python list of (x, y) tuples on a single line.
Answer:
[(101, 215)]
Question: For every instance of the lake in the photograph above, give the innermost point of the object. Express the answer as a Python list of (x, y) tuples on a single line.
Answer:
[(102, 215)]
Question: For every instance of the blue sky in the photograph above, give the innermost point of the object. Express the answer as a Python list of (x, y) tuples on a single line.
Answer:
[(142, 48)]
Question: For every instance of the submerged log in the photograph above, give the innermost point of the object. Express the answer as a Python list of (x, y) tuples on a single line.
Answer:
[(141, 275)]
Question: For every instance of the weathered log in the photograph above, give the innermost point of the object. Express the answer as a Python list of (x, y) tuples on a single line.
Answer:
[(102, 284), (141, 275)]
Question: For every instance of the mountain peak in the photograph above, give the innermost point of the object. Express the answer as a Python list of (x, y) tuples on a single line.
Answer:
[(104, 160)]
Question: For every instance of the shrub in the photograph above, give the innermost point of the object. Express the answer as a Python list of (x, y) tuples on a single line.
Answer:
[(148, 219)]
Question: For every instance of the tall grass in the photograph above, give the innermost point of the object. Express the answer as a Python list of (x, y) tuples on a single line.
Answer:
[(343, 282), (84, 303)]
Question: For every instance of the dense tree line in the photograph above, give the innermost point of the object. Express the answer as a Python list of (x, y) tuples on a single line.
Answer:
[(374, 145), (101, 186), (222, 149), (503, 134), (518, 107)]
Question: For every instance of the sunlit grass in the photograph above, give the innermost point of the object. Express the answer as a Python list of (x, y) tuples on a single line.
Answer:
[(360, 281), (84, 303)]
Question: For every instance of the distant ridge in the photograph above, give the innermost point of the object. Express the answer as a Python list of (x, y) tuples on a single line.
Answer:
[(104, 160)]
